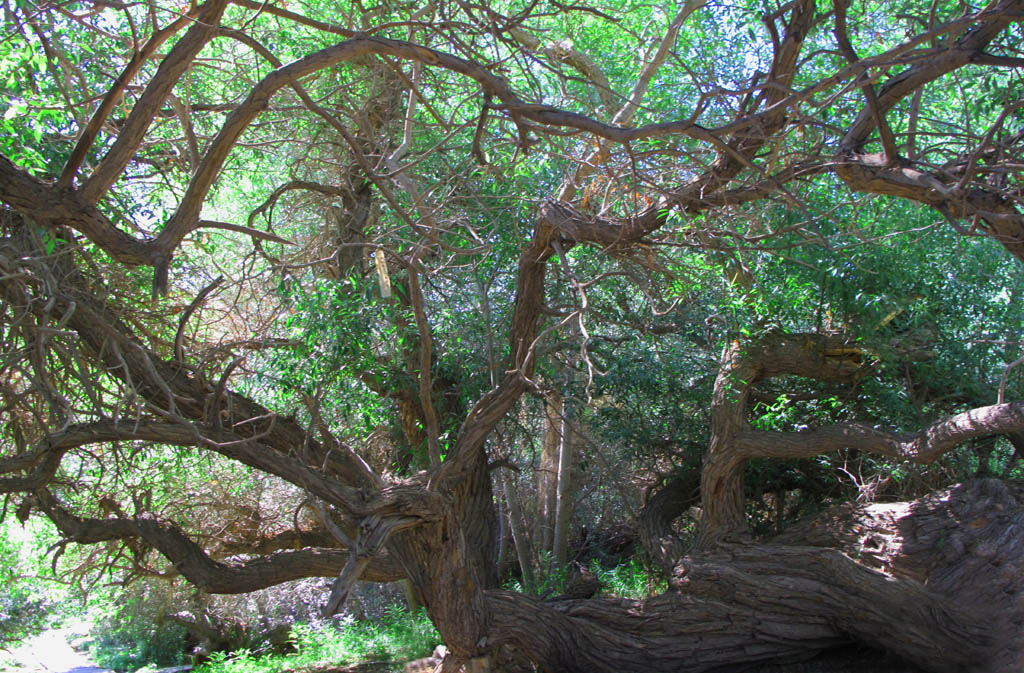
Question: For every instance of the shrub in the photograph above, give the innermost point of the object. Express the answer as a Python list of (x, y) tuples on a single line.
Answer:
[(28, 599), (398, 636), (629, 580), (22, 614), (128, 634)]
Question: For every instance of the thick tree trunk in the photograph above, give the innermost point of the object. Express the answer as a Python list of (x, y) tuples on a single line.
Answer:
[(745, 604), (943, 594), (732, 604), (965, 543), (452, 563)]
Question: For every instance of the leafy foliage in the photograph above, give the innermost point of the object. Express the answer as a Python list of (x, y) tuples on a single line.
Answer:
[(30, 599), (127, 639), (400, 636)]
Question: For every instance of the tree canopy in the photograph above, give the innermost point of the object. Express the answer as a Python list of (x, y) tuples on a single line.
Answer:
[(347, 277)]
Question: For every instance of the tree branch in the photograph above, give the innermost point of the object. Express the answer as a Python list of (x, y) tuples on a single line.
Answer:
[(988, 23), (888, 141), (114, 95), (189, 558), (921, 447), (45, 457), (171, 69), (565, 52), (871, 173)]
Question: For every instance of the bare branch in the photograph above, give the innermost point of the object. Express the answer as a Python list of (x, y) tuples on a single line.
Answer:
[(565, 52), (625, 115), (179, 336), (888, 141), (374, 532)]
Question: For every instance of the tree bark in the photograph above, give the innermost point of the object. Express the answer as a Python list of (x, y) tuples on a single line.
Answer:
[(680, 493), (520, 536), (944, 606), (564, 491), (825, 358), (744, 605), (732, 604), (965, 543)]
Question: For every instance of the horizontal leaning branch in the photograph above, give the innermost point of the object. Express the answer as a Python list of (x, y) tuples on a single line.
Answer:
[(191, 561), (920, 447), (44, 459)]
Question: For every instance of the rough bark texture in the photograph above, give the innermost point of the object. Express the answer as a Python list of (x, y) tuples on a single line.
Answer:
[(817, 356), (965, 543), (667, 504), (737, 603), (945, 606), (733, 604)]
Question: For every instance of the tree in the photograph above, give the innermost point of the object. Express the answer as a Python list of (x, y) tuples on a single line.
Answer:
[(402, 170)]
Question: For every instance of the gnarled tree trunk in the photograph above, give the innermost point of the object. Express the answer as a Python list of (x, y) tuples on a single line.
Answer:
[(942, 594)]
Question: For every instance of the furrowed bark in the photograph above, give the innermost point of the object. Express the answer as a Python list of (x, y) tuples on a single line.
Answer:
[(248, 432), (940, 594), (881, 174), (816, 356), (963, 543), (731, 605), (744, 605)]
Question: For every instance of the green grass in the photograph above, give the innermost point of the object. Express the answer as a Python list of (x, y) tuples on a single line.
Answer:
[(400, 636), (632, 579), (629, 580)]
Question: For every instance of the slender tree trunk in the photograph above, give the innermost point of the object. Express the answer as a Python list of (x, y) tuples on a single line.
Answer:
[(524, 547), (411, 599), (503, 531), (547, 476), (564, 492)]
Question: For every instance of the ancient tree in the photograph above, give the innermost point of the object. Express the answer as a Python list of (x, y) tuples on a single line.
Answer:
[(185, 186)]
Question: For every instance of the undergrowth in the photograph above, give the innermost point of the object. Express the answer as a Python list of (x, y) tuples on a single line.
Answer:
[(632, 579), (399, 636), (629, 580)]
